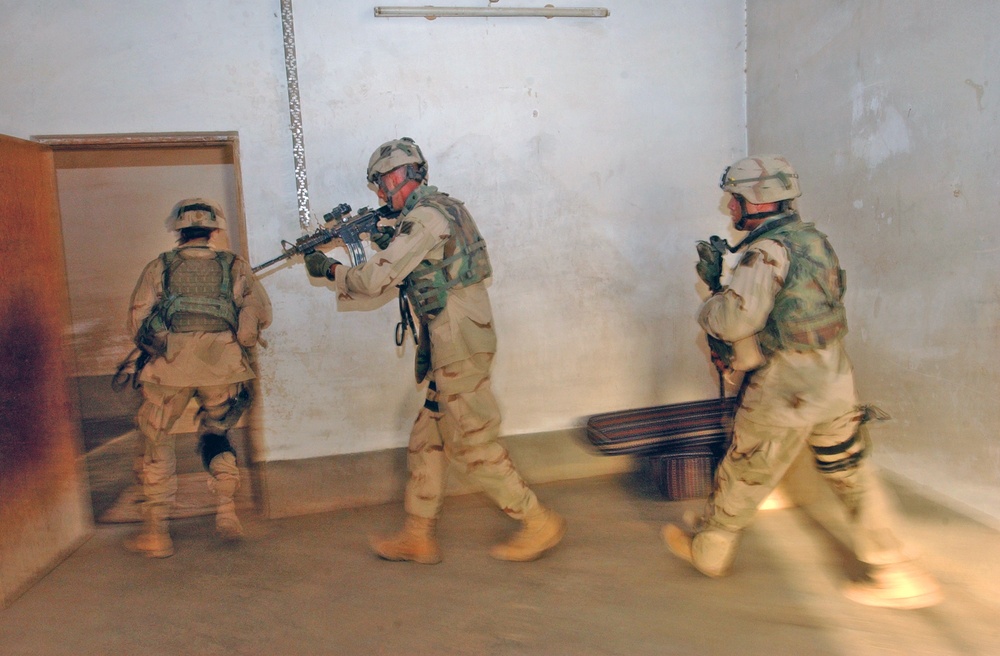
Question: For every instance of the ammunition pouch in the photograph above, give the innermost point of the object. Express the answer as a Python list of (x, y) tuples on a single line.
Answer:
[(152, 335), (465, 263)]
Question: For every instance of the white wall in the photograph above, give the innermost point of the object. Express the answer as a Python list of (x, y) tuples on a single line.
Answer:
[(587, 150), (889, 109)]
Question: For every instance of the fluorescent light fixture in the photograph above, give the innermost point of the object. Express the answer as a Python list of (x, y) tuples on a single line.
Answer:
[(490, 12)]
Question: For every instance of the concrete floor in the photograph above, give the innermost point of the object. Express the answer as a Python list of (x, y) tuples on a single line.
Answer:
[(309, 585)]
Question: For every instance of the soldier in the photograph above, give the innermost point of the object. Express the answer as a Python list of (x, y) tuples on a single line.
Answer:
[(785, 295), (195, 311), (439, 258)]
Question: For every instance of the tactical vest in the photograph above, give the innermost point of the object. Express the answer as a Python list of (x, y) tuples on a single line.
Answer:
[(465, 260), (198, 293), (808, 311)]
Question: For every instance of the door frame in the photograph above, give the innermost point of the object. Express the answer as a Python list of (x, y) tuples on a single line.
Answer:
[(228, 140), (178, 140)]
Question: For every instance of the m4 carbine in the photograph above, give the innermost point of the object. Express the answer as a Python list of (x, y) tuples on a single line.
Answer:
[(340, 224)]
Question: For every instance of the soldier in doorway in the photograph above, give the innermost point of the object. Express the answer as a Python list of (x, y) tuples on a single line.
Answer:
[(785, 296), (195, 311), (439, 259)]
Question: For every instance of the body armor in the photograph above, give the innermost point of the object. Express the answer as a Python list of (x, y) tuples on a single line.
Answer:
[(197, 293), (465, 260), (808, 312)]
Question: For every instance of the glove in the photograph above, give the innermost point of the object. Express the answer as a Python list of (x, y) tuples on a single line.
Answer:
[(318, 265), (722, 353), (382, 235), (709, 265)]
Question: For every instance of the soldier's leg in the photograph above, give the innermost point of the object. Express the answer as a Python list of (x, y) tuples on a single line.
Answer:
[(424, 490), (470, 427), (220, 411), (842, 451), (161, 408), (754, 465)]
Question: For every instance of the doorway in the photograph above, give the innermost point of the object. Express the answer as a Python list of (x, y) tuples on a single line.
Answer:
[(115, 192)]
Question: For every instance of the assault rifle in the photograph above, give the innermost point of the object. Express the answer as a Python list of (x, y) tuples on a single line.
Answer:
[(340, 224)]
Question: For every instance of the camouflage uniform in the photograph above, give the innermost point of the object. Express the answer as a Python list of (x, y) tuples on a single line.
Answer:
[(211, 367), (460, 420), (803, 396)]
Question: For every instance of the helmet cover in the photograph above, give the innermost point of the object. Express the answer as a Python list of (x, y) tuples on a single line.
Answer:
[(762, 179), (196, 213), (393, 154)]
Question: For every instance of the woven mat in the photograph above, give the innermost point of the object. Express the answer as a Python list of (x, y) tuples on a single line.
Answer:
[(194, 499)]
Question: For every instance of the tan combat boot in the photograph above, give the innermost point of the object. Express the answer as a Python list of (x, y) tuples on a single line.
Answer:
[(714, 553), (224, 481), (900, 585), (154, 539), (415, 542), (542, 529)]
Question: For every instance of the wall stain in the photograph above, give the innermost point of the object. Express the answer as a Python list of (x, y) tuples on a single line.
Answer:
[(26, 402), (979, 88)]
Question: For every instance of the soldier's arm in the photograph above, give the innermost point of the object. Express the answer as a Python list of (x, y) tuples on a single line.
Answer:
[(741, 309), (252, 301), (147, 291), (417, 234)]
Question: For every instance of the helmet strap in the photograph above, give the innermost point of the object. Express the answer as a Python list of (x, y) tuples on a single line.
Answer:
[(746, 217), (412, 173)]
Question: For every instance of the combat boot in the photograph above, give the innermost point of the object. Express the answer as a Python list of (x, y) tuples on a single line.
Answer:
[(711, 552), (541, 530), (414, 543), (899, 585), (224, 482), (154, 539)]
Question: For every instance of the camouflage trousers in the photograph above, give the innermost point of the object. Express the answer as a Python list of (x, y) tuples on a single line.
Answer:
[(758, 459), (460, 424), (161, 408)]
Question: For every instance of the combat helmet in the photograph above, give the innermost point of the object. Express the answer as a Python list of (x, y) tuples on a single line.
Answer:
[(196, 213), (393, 154), (762, 179)]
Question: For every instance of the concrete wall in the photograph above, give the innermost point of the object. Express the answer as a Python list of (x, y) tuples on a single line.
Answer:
[(889, 110), (587, 149)]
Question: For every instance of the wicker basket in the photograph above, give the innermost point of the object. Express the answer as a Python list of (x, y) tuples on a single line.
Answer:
[(683, 475)]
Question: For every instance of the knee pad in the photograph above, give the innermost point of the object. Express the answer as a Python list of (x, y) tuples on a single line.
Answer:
[(211, 445)]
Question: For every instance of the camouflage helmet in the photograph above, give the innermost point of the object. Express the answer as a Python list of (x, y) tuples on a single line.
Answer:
[(762, 179), (393, 154), (196, 213)]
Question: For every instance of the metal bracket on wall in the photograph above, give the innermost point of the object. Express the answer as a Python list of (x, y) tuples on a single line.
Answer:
[(548, 11), (295, 114)]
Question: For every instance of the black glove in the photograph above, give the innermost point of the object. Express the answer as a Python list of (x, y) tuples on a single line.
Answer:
[(709, 265), (722, 352), (318, 265), (382, 235)]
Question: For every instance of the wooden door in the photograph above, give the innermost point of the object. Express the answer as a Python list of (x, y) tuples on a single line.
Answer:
[(44, 508)]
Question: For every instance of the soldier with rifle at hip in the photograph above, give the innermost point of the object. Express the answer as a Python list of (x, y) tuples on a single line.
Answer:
[(784, 305)]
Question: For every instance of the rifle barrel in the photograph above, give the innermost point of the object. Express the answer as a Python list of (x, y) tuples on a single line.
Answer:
[(273, 260)]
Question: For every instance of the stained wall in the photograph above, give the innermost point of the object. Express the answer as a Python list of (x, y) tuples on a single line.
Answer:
[(889, 110), (587, 150)]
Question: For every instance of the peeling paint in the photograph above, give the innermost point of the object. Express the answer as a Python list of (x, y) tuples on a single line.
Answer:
[(880, 131)]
